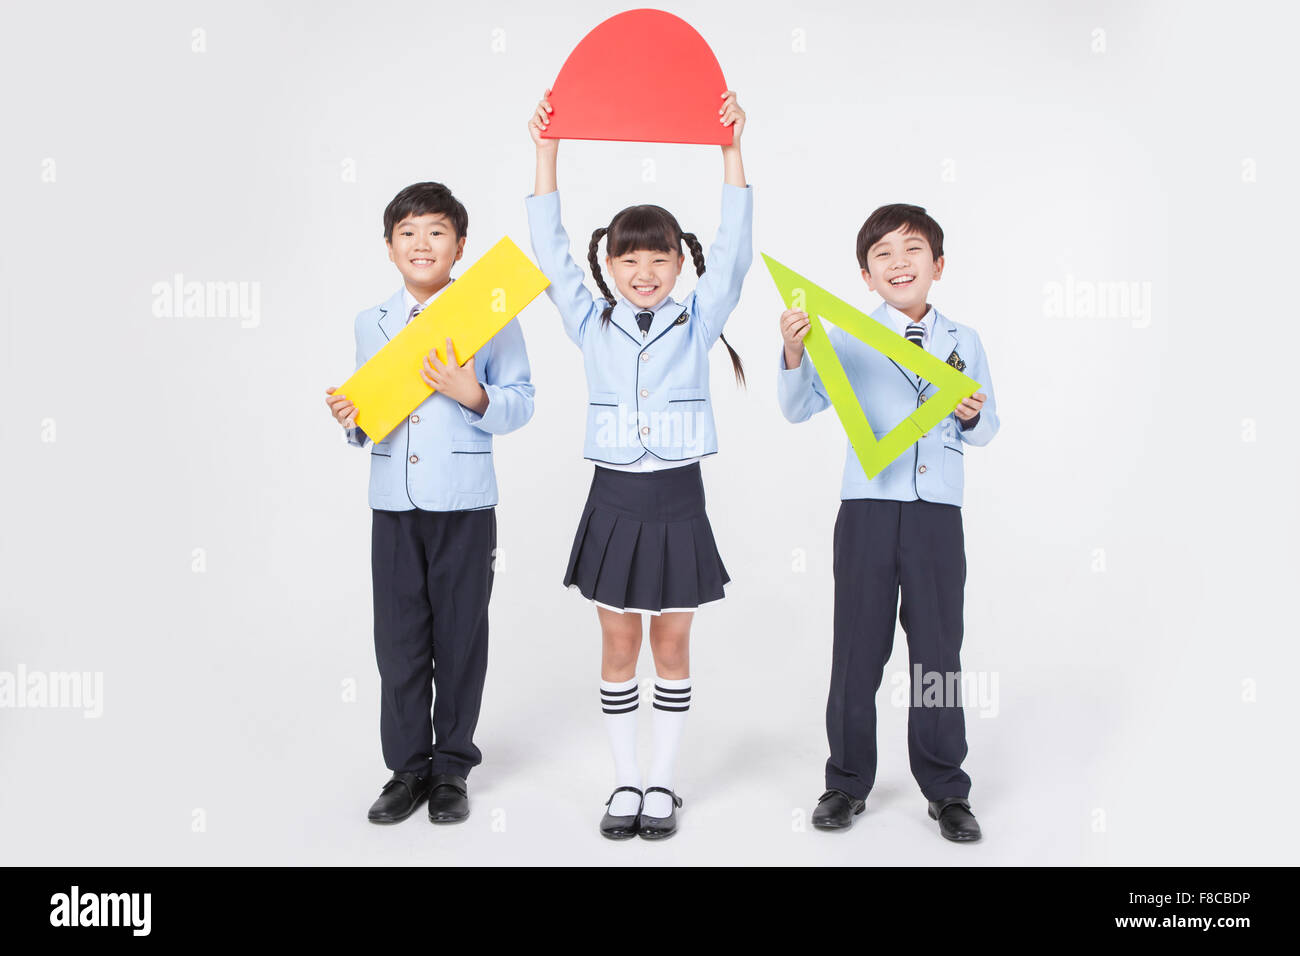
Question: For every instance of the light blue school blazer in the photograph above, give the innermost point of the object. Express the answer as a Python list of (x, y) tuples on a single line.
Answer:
[(932, 468), (647, 392), (440, 457)]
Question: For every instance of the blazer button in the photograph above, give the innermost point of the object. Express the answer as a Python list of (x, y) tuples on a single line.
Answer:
[(645, 429), (415, 419), (645, 356), (924, 397), (414, 458), (645, 393), (921, 469)]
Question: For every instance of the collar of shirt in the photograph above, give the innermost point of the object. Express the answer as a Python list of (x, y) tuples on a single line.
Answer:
[(411, 301), (666, 300), (902, 321)]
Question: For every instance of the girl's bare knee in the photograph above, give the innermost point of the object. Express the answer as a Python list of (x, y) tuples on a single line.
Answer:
[(621, 641), (671, 652)]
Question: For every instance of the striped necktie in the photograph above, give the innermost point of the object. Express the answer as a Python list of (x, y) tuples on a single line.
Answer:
[(916, 335), (415, 310)]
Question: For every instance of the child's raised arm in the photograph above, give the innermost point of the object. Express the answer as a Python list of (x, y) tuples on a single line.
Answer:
[(732, 250), (546, 148), (568, 288), (730, 114)]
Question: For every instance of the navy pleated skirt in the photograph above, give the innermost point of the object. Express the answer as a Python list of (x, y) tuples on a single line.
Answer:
[(644, 542)]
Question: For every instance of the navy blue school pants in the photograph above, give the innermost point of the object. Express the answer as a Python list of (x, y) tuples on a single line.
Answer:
[(432, 573), (882, 547)]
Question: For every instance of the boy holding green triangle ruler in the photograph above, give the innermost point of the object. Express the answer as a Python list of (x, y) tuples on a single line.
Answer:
[(896, 380)]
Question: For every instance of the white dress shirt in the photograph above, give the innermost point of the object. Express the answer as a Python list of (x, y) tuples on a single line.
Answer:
[(902, 321), (412, 302)]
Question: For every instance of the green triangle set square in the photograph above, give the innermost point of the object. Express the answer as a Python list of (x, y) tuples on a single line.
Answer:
[(953, 386)]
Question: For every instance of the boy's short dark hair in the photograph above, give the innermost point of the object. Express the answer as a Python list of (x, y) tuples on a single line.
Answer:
[(421, 199), (888, 218)]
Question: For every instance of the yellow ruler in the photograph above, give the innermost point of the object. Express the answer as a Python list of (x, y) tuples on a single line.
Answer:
[(471, 310)]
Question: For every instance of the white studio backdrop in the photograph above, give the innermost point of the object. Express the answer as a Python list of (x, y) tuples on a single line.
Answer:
[(183, 521)]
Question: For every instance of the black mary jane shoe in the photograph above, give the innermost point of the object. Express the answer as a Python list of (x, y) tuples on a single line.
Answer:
[(622, 827), (836, 810), (448, 798), (956, 822), (399, 798), (660, 828)]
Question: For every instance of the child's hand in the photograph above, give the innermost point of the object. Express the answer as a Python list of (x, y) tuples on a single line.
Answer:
[(794, 326), (453, 379), (539, 121), (970, 407), (732, 115), (344, 412)]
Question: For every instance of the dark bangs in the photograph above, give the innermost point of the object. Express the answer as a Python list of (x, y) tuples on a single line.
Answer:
[(887, 219), (422, 199), (643, 227)]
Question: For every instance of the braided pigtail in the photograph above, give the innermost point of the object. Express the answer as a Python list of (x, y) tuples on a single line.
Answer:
[(697, 255), (593, 260)]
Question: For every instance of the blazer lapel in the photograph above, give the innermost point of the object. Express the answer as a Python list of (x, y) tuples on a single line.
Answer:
[(624, 316), (943, 337), (391, 315), (669, 312), (943, 340)]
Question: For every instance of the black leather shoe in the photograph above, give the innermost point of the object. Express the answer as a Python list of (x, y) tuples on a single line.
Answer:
[(399, 798), (622, 827), (836, 810), (448, 798), (956, 822), (659, 828)]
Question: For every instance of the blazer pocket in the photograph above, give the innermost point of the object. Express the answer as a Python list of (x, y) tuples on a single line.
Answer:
[(688, 395), (603, 398), (381, 472), (952, 466), (472, 466), (383, 449)]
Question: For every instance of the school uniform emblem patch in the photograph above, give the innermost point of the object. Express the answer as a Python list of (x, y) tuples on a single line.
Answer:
[(955, 361), (681, 319)]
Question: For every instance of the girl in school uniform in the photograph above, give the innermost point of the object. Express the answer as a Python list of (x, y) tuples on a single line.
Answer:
[(644, 545)]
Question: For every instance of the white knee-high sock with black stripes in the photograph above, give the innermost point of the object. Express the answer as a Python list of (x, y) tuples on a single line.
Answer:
[(620, 700), (672, 701)]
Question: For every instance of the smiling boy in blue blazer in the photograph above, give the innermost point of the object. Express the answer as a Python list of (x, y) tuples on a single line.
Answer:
[(433, 493), (901, 530)]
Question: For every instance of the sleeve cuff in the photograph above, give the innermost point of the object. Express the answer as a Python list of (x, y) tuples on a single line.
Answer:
[(793, 382), (803, 368), (486, 421), (533, 201), (738, 199), (968, 425)]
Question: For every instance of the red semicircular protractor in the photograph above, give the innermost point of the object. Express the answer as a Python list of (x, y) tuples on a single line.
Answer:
[(642, 76)]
